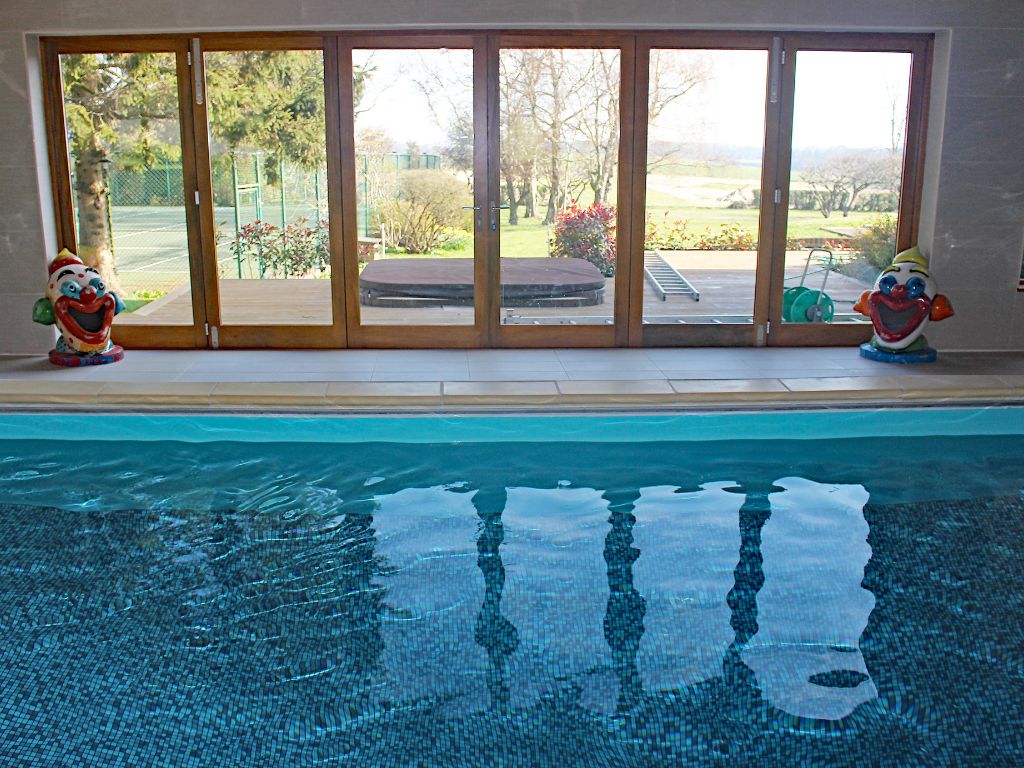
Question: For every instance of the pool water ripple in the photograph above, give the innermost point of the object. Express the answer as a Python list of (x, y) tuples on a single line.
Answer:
[(533, 605)]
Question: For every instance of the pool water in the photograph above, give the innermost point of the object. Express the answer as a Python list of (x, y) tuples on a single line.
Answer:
[(785, 602)]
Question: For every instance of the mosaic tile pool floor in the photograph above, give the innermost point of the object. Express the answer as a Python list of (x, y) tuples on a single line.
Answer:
[(531, 605)]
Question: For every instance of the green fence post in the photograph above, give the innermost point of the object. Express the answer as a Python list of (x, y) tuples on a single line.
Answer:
[(238, 227)]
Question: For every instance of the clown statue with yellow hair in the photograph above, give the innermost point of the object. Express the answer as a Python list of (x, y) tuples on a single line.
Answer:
[(902, 303), (78, 303)]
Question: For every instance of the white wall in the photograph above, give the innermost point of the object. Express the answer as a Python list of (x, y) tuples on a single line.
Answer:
[(973, 216)]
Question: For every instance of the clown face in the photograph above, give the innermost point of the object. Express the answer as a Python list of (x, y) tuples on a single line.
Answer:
[(903, 301), (82, 307)]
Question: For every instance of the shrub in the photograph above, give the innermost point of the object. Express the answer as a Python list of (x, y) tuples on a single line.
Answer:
[(877, 243), (669, 235), (730, 237), (586, 233), (427, 208), (298, 250), (453, 239)]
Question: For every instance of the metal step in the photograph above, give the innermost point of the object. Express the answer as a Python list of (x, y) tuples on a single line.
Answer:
[(666, 279)]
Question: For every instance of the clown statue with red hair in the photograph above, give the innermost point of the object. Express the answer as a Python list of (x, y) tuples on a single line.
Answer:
[(78, 303), (901, 304)]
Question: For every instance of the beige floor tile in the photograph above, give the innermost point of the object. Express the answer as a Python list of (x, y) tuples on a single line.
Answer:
[(267, 393), (500, 392), (377, 393), (157, 393), (49, 392), (965, 382), (1014, 380), (620, 392), (841, 387), (714, 387)]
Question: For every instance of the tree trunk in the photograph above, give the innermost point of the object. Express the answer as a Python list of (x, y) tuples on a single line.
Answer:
[(555, 180), (93, 232), (513, 203)]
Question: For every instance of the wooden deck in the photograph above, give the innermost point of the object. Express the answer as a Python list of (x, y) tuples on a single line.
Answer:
[(725, 292)]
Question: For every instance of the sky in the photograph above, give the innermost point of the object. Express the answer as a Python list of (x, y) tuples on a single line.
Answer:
[(844, 99)]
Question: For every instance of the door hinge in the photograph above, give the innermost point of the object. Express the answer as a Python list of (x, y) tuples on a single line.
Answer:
[(206, 329), (763, 329), (211, 334), (197, 197), (778, 196), (197, 74), (776, 59), (188, 57)]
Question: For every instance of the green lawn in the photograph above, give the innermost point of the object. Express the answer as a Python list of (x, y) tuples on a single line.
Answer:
[(702, 189), (529, 236)]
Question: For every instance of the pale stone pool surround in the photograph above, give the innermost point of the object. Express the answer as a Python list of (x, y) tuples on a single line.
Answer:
[(554, 378)]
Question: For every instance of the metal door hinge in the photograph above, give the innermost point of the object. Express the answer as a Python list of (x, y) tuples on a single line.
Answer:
[(775, 62), (197, 197), (197, 74), (778, 196), (214, 337), (188, 56), (763, 329)]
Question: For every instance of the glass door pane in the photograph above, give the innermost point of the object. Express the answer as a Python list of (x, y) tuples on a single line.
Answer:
[(268, 160), (849, 131), (558, 173), (706, 113), (124, 142), (414, 185)]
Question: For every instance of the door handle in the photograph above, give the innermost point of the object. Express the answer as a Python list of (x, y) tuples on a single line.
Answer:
[(479, 222), (494, 215)]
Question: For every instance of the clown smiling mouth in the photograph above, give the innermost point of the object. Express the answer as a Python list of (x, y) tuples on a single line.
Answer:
[(91, 322), (897, 320)]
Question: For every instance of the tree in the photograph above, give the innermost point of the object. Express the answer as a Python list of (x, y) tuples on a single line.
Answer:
[(114, 104), (124, 108), (837, 181)]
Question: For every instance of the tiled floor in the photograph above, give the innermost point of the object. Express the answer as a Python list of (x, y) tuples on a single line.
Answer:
[(432, 378)]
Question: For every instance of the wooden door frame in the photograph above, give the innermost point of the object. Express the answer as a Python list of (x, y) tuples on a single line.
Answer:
[(701, 334), (920, 47), (309, 336), (414, 334), (51, 49), (345, 330), (559, 335)]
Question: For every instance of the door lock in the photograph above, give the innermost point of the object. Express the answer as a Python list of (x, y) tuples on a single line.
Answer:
[(494, 215)]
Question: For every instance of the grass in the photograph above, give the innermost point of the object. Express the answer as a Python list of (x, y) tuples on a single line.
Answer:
[(529, 237), (701, 188)]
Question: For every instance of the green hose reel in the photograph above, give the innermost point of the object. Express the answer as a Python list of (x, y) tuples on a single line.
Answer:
[(804, 305), (801, 304)]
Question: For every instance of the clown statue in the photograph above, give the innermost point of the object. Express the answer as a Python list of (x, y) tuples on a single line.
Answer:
[(901, 304), (78, 302)]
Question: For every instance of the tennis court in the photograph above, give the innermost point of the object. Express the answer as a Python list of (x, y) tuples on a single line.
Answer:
[(151, 243)]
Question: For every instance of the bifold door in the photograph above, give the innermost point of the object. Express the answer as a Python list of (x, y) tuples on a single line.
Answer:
[(484, 189)]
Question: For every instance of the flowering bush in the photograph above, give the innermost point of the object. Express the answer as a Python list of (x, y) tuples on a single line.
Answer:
[(731, 237), (665, 234), (586, 233), (298, 250)]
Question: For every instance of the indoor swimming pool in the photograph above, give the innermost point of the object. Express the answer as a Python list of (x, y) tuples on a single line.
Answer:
[(805, 588)]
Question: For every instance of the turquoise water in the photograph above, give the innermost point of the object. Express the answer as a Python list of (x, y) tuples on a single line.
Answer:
[(643, 602)]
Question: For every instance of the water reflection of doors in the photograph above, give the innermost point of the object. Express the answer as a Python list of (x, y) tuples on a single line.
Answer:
[(626, 594)]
